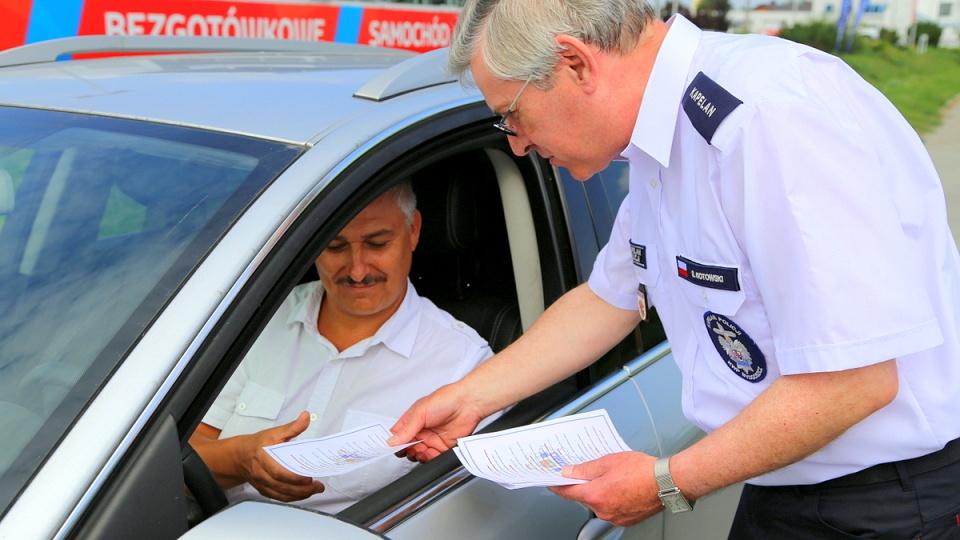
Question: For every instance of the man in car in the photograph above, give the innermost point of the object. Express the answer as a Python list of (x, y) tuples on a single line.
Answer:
[(356, 347), (790, 229)]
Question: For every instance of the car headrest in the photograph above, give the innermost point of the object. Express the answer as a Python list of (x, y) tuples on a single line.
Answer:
[(449, 210)]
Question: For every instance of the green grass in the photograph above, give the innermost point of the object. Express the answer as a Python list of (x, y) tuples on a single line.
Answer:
[(919, 85)]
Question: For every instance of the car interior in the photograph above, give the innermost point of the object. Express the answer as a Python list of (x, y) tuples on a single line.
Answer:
[(463, 262)]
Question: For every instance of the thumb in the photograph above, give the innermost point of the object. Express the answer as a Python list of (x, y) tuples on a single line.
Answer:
[(582, 471), (403, 431), (291, 430)]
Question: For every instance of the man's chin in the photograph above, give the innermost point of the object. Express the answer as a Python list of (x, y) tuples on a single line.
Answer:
[(582, 174)]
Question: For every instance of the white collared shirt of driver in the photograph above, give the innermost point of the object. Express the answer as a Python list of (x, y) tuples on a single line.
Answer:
[(825, 203), (292, 368)]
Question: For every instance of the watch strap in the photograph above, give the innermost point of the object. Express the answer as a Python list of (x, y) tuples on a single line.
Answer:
[(669, 493)]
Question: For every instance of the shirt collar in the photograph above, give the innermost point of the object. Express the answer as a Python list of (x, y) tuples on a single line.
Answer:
[(398, 333), (656, 123)]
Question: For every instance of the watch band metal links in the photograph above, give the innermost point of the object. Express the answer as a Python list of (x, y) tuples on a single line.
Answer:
[(669, 493)]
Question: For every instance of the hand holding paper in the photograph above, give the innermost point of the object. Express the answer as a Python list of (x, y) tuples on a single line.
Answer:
[(526, 456), (535, 455), (337, 454)]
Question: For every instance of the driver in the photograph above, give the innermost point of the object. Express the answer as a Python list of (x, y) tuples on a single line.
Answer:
[(359, 346)]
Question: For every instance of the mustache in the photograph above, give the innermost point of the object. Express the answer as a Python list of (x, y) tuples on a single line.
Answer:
[(365, 281)]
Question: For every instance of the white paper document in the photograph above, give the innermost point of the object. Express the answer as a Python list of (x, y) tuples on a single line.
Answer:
[(336, 454), (534, 455)]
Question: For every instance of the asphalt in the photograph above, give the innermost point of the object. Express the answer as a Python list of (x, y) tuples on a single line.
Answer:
[(944, 147)]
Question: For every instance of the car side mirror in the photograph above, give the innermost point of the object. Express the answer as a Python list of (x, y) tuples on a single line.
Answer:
[(6, 192)]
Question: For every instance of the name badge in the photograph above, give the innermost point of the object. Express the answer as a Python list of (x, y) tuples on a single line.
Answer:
[(639, 255), (712, 277)]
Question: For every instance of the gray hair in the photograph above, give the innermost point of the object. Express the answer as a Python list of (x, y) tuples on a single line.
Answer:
[(516, 38), (406, 199)]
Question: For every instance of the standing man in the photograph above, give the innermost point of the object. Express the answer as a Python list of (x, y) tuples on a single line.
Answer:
[(357, 347), (791, 231)]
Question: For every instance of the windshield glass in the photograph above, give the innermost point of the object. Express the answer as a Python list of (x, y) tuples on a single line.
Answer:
[(101, 220)]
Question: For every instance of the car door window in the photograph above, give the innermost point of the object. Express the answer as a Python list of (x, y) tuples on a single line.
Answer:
[(102, 220)]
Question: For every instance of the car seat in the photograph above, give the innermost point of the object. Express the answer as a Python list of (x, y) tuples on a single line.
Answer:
[(462, 262)]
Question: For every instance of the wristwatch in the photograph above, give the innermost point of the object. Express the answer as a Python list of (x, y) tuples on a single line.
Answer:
[(669, 494)]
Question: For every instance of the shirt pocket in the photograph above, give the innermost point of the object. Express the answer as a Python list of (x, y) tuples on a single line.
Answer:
[(257, 408), (368, 479), (723, 302)]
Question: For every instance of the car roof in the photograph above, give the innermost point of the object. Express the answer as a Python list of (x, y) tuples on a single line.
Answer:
[(248, 92)]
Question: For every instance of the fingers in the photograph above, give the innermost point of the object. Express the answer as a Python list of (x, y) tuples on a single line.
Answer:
[(423, 453), (269, 477), (287, 492), (405, 429), (620, 487), (273, 480)]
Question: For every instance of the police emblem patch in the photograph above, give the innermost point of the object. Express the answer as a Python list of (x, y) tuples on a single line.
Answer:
[(740, 352)]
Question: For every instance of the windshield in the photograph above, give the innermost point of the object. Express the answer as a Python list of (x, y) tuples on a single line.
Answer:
[(101, 220)]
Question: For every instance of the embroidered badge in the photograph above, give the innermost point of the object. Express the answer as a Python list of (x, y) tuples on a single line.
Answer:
[(642, 301), (707, 104), (713, 277), (639, 255), (740, 352)]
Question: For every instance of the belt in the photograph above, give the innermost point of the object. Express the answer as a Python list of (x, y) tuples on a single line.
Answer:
[(887, 472)]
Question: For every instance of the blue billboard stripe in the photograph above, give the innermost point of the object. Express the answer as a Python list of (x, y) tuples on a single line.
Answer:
[(51, 19), (348, 24)]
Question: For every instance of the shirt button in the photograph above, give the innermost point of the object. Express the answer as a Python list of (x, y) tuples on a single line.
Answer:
[(686, 389), (313, 417), (242, 407), (704, 296), (653, 184)]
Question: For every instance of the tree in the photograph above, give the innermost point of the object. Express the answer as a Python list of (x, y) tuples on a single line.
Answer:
[(712, 15)]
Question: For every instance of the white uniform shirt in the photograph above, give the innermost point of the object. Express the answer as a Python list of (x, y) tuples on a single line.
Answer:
[(812, 232), (292, 368)]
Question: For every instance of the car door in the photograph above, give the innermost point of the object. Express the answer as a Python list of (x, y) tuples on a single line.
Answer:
[(523, 254)]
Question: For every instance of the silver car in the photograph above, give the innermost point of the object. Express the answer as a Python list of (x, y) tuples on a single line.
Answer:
[(155, 209)]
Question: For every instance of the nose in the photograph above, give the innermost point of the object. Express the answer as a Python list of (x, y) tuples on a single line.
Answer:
[(358, 264), (520, 144)]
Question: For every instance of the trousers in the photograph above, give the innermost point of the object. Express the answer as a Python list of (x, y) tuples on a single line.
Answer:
[(915, 504)]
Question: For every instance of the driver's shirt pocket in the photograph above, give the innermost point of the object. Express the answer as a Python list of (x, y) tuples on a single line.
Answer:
[(365, 480), (257, 408)]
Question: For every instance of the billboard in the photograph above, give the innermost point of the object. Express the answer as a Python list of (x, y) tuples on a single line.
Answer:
[(383, 25), (14, 15)]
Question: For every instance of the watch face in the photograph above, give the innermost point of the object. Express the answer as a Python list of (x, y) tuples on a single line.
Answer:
[(674, 501)]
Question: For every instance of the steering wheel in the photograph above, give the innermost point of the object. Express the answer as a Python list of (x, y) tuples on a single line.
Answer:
[(207, 493)]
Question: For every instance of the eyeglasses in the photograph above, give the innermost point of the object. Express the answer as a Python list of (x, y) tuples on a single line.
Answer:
[(502, 124)]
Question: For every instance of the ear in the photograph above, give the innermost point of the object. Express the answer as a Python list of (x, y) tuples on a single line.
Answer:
[(415, 229), (579, 61)]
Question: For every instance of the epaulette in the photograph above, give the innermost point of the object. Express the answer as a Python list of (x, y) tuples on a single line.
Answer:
[(707, 104)]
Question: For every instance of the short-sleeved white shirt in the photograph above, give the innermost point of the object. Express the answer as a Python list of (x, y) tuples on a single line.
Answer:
[(292, 368), (812, 232)]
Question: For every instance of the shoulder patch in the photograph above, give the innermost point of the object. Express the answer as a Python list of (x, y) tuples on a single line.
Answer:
[(736, 348), (707, 104)]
